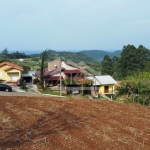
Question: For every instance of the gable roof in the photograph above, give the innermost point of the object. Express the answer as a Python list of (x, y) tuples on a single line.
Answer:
[(51, 70), (102, 80), (11, 66), (49, 73)]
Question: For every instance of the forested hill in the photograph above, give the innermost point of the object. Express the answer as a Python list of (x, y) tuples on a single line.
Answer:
[(99, 54), (74, 56), (87, 56)]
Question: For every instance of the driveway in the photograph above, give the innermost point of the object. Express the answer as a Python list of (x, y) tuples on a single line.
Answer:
[(32, 91), (16, 91), (13, 93)]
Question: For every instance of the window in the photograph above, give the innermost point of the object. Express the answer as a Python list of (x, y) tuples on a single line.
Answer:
[(106, 89), (3, 85), (0, 74)]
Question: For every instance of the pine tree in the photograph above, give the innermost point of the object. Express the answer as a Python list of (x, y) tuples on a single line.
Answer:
[(42, 70)]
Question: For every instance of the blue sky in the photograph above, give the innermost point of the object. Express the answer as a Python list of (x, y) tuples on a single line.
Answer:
[(74, 24)]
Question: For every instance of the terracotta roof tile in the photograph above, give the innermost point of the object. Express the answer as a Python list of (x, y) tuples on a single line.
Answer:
[(11, 66)]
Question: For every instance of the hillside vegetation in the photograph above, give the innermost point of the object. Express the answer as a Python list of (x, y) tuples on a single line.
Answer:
[(99, 54), (50, 123), (74, 56)]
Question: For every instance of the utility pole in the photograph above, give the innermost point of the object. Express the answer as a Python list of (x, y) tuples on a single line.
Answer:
[(60, 82)]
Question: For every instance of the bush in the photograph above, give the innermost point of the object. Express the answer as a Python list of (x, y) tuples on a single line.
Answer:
[(22, 83), (36, 81)]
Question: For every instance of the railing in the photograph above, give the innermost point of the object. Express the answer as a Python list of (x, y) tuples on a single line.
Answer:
[(75, 79), (108, 92)]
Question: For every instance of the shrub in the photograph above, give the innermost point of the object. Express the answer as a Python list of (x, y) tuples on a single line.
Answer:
[(22, 83), (36, 81)]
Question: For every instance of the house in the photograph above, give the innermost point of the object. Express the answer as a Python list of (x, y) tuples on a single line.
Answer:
[(102, 84), (10, 72), (62, 72)]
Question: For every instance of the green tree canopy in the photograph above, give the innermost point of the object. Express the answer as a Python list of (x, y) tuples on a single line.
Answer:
[(136, 87), (132, 60), (42, 70), (107, 66), (5, 53)]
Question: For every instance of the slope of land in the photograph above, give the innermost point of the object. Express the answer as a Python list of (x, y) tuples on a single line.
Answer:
[(51, 123)]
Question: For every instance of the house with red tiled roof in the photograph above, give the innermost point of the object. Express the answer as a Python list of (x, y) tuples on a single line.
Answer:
[(10, 72), (70, 74)]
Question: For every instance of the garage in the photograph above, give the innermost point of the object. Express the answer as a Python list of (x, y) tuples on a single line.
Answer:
[(27, 78), (13, 76)]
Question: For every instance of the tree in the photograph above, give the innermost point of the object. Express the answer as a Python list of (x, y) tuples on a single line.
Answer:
[(107, 66), (146, 66), (42, 70), (142, 57), (5, 53), (114, 62), (132, 60), (26, 69), (136, 87), (126, 63)]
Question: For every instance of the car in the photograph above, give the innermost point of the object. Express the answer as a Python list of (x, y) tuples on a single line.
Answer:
[(5, 87), (75, 91)]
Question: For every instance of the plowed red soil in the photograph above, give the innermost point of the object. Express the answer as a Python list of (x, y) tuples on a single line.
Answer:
[(44, 123)]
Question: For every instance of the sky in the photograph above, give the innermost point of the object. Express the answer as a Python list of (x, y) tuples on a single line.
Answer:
[(73, 24)]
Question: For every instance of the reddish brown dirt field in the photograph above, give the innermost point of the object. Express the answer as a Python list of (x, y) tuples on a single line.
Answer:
[(44, 123)]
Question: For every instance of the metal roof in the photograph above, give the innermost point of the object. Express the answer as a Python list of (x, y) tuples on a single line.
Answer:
[(102, 80), (26, 75)]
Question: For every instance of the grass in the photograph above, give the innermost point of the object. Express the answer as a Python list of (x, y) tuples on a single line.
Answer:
[(48, 91), (85, 95), (24, 88)]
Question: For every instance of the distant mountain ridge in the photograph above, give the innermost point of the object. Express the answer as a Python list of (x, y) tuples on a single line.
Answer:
[(88, 56), (91, 56), (99, 54)]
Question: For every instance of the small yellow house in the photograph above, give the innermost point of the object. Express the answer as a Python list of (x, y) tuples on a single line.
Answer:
[(10, 72), (103, 84)]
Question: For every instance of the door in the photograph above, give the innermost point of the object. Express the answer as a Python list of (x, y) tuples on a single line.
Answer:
[(106, 89)]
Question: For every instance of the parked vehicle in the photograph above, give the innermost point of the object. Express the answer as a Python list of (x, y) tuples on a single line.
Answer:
[(75, 91), (5, 87)]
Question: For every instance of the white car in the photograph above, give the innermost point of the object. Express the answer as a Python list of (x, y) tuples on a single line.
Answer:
[(75, 91)]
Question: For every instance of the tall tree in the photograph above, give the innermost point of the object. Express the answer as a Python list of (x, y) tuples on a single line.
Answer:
[(5, 53), (127, 62), (107, 66), (132, 60), (114, 62), (42, 70), (142, 57)]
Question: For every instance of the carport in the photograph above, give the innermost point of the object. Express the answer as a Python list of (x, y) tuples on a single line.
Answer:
[(27, 78)]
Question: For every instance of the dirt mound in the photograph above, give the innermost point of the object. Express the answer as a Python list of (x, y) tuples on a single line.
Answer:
[(43, 123)]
